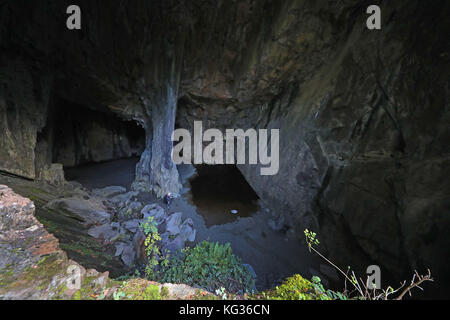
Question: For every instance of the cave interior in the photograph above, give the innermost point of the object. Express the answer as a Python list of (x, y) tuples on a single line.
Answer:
[(363, 118)]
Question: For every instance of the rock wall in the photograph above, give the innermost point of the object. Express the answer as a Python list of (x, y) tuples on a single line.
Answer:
[(24, 100), (83, 136), (363, 119)]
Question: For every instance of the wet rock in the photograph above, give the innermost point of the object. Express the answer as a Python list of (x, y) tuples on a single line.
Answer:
[(173, 223), (187, 231), (109, 192), (90, 211)]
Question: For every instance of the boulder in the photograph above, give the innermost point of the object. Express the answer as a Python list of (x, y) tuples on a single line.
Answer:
[(105, 232), (128, 256), (135, 206), (187, 231), (155, 211), (77, 193), (15, 212), (109, 192), (132, 225), (130, 210), (89, 211), (72, 185), (173, 245), (119, 249), (173, 223), (165, 237), (122, 199), (44, 266)]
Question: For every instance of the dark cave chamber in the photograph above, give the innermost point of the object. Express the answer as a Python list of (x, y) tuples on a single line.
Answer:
[(216, 190), (96, 148)]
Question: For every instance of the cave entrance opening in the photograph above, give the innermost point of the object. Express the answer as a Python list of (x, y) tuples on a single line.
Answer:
[(221, 194), (96, 148)]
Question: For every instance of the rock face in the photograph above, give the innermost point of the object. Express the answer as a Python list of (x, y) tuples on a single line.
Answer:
[(173, 223), (155, 211), (90, 211), (83, 136), (40, 270), (23, 112), (19, 255), (109, 192), (363, 115), (52, 174)]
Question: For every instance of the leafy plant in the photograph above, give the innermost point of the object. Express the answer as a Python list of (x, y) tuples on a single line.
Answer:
[(209, 265), (152, 249), (212, 266), (297, 288), (316, 282)]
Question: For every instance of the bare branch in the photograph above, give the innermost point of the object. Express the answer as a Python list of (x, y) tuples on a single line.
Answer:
[(414, 283)]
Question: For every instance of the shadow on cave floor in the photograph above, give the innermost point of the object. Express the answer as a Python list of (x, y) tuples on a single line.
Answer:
[(99, 175)]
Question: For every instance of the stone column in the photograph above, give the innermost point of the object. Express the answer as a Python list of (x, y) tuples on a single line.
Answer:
[(156, 171)]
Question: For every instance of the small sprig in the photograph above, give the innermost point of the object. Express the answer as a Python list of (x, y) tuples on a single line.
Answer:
[(311, 239)]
